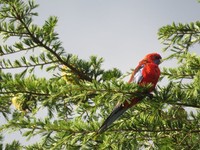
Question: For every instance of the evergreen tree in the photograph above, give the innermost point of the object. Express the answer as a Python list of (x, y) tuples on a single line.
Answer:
[(79, 94)]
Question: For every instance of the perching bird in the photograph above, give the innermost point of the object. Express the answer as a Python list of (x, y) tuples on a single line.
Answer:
[(147, 72)]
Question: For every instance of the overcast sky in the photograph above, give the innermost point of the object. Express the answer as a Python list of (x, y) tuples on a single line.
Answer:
[(120, 31)]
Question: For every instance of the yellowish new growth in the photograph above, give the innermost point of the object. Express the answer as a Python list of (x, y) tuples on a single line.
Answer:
[(18, 104), (68, 76)]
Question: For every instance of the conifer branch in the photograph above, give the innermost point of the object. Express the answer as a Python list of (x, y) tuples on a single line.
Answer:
[(40, 43), (25, 92), (153, 131), (28, 66), (184, 104)]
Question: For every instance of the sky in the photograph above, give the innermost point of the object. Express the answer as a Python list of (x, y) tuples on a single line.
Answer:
[(120, 31)]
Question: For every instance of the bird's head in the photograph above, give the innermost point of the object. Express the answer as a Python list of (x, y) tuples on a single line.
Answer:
[(153, 58)]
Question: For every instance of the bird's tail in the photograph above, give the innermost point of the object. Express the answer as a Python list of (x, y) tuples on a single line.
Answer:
[(116, 113)]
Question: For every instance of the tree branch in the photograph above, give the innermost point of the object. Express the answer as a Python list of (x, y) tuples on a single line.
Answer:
[(40, 43), (28, 66), (26, 92), (154, 131), (183, 104), (17, 51)]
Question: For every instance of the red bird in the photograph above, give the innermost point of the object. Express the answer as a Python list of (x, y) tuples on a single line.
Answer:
[(147, 72)]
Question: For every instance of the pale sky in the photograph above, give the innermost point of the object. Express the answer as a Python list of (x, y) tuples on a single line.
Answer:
[(120, 31)]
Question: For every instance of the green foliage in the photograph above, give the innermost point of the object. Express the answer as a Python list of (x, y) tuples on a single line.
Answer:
[(183, 93), (15, 145), (66, 108)]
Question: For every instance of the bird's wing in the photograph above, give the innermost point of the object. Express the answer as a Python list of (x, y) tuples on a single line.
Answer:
[(137, 75)]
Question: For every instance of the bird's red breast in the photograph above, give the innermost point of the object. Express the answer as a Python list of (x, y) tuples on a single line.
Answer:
[(151, 74)]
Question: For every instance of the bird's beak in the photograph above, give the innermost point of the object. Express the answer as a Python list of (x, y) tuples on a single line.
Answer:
[(158, 61)]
